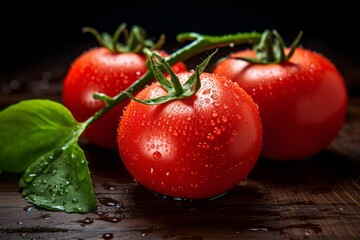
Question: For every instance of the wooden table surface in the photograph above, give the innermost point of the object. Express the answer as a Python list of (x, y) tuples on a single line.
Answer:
[(318, 198)]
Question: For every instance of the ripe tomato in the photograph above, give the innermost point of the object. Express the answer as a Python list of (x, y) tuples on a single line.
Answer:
[(104, 71), (198, 147), (302, 101)]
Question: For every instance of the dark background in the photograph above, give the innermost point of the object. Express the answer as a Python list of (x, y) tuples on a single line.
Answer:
[(31, 33)]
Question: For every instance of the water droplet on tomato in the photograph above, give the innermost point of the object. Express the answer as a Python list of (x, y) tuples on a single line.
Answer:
[(210, 136), (224, 118), (215, 96), (206, 91), (138, 73), (214, 114), (216, 104), (157, 155), (217, 131)]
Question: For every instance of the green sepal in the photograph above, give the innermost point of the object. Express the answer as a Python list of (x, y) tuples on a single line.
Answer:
[(135, 41), (271, 49), (175, 89)]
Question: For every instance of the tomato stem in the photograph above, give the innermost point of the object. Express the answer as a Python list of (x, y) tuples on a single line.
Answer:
[(200, 43)]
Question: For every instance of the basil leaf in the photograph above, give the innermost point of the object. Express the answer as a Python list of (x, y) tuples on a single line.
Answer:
[(40, 137), (30, 129), (60, 180)]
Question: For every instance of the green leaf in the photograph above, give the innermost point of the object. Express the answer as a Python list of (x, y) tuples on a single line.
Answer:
[(31, 129), (40, 137), (60, 180)]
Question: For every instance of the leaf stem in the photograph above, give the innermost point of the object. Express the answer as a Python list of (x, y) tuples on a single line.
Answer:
[(200, 43)]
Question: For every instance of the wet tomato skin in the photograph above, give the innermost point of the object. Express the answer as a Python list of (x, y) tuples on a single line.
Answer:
[(99, 70), (194, 148), (302, 102)]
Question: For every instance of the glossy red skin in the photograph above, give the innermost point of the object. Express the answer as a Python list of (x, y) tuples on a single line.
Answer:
[(194, 148), (99, 70), (302, 102)]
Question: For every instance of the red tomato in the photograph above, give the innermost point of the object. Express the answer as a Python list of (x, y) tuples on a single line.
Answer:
[(194, 148), (302, 101), (100, 70)]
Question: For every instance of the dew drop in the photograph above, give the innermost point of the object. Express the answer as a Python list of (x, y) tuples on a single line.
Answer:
[(224, 118), (157, 155), (29, 209), (206, 91), (210, 136), (217, 131), (214, 114), (258, 229), (107, 236), (215, 96), (86, 221), (216, 104)]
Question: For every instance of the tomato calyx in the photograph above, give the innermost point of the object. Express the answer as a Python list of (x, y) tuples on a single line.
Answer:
[(135, 41), (271, 49), (175, 89)]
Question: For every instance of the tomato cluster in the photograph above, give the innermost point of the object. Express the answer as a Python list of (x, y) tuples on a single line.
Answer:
[(278, 103)]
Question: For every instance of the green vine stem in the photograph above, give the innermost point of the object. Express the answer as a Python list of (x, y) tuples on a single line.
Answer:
[(200, 43)]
